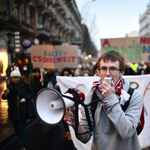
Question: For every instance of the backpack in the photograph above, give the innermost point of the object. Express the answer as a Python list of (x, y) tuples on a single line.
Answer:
[(96, 96)]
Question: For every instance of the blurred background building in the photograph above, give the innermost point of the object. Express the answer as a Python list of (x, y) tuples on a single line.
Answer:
[(27, 22), (145, 23)]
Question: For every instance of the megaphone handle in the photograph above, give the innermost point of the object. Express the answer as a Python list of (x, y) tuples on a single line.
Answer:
[(70, 122)]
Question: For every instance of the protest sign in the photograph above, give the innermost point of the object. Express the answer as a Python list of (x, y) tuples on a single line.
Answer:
[(54, 57), (134, 49)]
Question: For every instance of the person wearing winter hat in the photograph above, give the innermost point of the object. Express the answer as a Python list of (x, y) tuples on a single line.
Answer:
[(15, 73), (18, 93)]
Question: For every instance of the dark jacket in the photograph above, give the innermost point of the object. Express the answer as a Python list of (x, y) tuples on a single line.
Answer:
[(36, 85), (129, 71), (25, 92), (50, 78)]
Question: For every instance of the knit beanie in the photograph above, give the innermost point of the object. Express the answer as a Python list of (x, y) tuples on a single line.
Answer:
[(15, 73)]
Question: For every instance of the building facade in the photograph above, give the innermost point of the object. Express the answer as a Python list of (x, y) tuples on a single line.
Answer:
[(52, 22), (145, 23)]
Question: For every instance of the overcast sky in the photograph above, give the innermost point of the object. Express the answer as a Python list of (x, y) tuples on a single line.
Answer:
[(114, 18)]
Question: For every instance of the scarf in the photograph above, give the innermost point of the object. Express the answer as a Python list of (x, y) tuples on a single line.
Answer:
[(37, 78), (18, 99), (118, 87), (123, 95)]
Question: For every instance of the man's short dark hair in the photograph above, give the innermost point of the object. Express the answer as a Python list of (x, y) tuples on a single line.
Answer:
[(113, 56)]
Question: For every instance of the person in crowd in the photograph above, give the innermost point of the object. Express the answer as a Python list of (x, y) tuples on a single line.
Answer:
[(20, 68), (142, 68), (77, 71), (18, 93), (95, 70), (8, 71), (147, 70), (37, 82), (134, 67), (26, 70), (129, 70), (113, 128), (13, 66), (85, 68), (91, 67), (66, 72), (50, 78), (86, 74)]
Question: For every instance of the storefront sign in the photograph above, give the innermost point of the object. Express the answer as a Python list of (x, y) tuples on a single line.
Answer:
[(3, 57), (26, 43)]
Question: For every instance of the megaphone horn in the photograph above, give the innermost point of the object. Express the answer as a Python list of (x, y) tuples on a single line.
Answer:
[(51, 106)]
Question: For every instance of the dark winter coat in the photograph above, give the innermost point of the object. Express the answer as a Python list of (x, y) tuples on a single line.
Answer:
[(25, 92), (50, 78), (36, 85)]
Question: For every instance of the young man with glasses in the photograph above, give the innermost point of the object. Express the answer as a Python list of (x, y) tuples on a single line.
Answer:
[(114, 129)]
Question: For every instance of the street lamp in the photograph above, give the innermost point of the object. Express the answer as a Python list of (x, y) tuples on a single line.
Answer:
[(83, 8)]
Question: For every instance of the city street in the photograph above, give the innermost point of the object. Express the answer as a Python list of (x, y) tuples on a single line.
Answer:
[(41, 137), (38, 136), (5, 123)]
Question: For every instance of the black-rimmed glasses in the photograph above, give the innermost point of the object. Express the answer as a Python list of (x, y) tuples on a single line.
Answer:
[(111, 70)]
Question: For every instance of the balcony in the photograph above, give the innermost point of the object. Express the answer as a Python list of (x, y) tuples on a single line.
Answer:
[(48, 12), (40, 5), (58, 23), (31, 6), (66, 29), (56, 4), (63, 13), (11, 22), (28, 1), (42, 32), (55, 40), (60, 9), (71, 31), (49, 1), (61, 26), (54, 18)]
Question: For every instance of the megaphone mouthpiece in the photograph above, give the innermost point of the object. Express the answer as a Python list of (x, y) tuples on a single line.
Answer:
[(56, 104)]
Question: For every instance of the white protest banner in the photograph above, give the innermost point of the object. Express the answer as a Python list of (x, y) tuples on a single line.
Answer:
[(141, 83), (54, 57)]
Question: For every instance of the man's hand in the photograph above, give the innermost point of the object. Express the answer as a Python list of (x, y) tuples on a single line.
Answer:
[(41, 79), (22, 100), (7, 92), (69, 117), (106, 89)]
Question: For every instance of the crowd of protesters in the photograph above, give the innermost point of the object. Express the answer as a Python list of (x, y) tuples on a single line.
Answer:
[(46, 78)]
